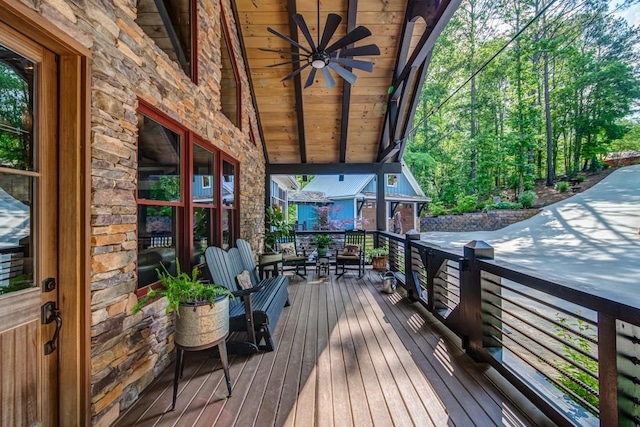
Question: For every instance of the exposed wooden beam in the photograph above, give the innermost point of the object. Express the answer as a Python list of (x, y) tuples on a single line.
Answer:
[(443, 15), (332, 168), (352, 12), (297, 82), (243, 49), (173, 36), (415, 99)]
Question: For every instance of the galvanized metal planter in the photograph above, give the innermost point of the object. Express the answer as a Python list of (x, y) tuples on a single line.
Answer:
[(202, 324)]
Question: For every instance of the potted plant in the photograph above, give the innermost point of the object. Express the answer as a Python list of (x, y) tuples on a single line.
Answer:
[(323, 241), (379, 258), (202, 310), (275, 228)]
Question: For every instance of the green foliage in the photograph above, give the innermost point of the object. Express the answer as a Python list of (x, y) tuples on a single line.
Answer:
[(572, 377), (17, 283), (377, 252), (437, 209), (182, 289), (562, 186), (323, 240), (527, 198), (580, 178), (275, 228), (489, 133), (466, 203), (503, 205)]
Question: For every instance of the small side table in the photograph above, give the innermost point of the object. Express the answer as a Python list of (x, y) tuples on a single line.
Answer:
[(323, 265), (224, 359)]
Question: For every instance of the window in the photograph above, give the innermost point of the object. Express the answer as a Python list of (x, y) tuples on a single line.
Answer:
[(229, 204), (171, 25), (178, 192), (229, 82)]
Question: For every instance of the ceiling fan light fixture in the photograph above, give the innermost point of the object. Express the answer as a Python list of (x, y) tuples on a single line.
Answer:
[(318, 63)]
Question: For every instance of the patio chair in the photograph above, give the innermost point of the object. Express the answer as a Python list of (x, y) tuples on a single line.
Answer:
[(292, 258), (352, 253)]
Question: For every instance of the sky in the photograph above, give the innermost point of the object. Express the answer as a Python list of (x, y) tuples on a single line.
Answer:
[(632, 15)]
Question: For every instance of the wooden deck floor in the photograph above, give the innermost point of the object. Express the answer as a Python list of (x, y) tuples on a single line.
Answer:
[(347, 355)]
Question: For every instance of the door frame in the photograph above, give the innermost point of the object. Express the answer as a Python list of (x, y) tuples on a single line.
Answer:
[(74, 154)]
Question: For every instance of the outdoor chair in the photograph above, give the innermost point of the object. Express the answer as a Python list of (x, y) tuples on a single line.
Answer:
[(352, 255), (292, 259)]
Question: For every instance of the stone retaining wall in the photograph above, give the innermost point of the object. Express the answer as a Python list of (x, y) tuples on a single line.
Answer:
[(477, 221), (129, 351)]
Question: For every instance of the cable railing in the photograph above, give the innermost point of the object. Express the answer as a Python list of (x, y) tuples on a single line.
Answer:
[(576, 356)]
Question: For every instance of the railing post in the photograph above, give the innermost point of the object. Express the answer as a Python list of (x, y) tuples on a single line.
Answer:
[(413, 288), (608, 370), (471, 295)]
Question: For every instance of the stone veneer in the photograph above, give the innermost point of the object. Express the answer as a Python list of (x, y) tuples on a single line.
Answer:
[(477, 221), (129, 351)]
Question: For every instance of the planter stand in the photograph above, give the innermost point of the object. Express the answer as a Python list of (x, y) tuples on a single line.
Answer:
[(224, 359), (200, 327)]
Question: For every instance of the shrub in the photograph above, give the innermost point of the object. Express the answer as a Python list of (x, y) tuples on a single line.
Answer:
[(527, 198), (577, 378), (466, 203), (437, 209), (580, 178), (562, 186), (503, 205)]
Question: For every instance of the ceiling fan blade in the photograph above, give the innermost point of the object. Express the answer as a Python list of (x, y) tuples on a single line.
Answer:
[(367, 50), (330, 28), (357, 34), (328, 78), (279, 51), (354, 63), (299, 20), (347, 75), (288, 39), (312, 75), (295, 73), (283, 63)]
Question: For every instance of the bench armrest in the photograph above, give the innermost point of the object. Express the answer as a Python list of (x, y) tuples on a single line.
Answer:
[(245, 292)]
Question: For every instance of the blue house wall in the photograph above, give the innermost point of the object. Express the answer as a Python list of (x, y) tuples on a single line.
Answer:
[(402, 186), (341, 213), (200, 192)]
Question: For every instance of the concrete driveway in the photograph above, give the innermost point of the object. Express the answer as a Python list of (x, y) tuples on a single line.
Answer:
[(590, 239)]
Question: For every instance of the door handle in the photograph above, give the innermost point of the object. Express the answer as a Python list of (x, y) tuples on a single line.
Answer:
[(51, 313)]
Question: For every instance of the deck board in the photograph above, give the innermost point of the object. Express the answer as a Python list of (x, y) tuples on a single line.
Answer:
[(347, 355)]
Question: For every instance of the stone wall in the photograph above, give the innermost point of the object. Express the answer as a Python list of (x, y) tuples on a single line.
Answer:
[(477, 221), (129, 351)]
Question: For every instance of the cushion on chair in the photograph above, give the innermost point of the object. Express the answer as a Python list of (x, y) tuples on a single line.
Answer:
[(244, 280), (351, 250), (288, 249)]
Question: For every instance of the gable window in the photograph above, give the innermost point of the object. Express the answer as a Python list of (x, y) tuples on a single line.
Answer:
[(181, 179), (229, 82), (171, 25)]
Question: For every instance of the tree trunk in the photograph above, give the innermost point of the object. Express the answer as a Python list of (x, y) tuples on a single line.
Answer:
[(551, 173)]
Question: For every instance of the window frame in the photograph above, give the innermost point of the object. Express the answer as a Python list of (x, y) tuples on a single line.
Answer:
[(188, 140), (234, 65)]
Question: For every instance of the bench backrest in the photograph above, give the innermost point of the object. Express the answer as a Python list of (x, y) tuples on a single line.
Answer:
[(224, 266), (248, 260)]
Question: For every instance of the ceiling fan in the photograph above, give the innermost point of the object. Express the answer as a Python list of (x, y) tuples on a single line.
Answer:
[(319, 56)]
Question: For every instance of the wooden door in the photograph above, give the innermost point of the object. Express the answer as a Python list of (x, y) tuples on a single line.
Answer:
[(28, 237)]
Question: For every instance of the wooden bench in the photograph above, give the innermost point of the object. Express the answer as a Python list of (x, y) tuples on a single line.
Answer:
[(255, 310)]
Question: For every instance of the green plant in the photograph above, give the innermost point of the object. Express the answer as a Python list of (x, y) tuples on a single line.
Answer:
[(381, 251), (182, 289), (437, 209), (503, 205), (584, 376), (323, 240), (581, 178), (527, 198), (466, 203), (562, 186), (275, 228)]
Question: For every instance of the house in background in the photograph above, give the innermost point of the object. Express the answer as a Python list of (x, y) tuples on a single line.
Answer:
[(350, 201), (280, 187)]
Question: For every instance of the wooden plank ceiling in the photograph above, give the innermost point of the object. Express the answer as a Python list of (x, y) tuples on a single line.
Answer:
[(363, 123)]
